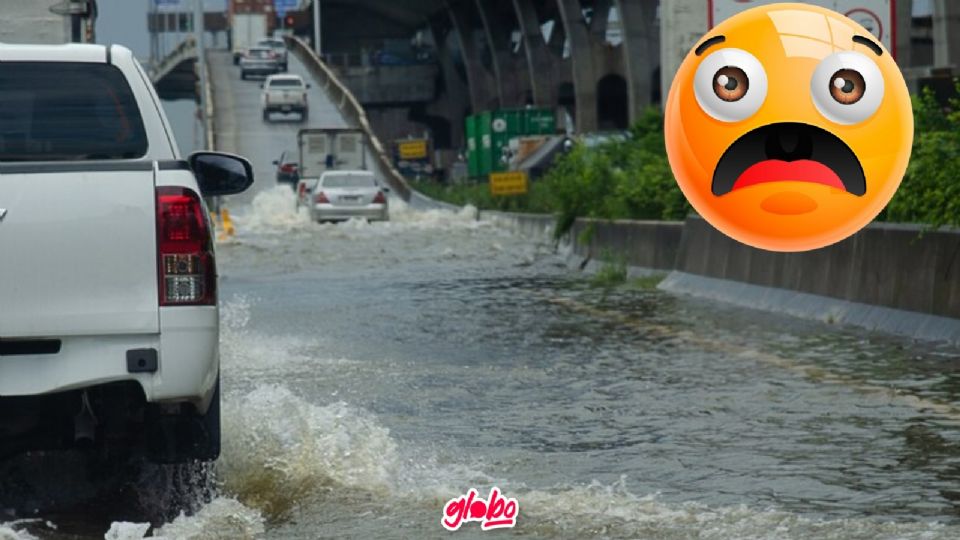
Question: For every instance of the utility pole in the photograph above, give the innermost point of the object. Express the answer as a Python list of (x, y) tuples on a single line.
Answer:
[(201, 65), (316, 28), (154, 45)]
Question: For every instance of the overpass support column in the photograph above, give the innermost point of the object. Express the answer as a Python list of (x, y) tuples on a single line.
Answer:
[(509, 70), (482, 93), (540, 65), (641, 51), (946, 33), (582, 55), (454, 100)]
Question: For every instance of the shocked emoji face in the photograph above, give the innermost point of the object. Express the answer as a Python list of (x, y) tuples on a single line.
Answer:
[(788, 127)]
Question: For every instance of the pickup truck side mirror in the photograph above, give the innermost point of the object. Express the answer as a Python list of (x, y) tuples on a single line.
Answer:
[(276, 162), (219, 173)]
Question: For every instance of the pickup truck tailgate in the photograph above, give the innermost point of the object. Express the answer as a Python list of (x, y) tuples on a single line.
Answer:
[(78, 253)]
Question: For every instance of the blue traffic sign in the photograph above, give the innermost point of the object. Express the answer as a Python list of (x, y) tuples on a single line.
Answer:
[(283, 6)]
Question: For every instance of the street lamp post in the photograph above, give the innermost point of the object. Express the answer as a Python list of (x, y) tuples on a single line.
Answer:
[(201, 65), (316, 27)]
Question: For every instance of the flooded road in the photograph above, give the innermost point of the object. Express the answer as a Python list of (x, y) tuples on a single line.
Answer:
[(379, 370), (371, 372)]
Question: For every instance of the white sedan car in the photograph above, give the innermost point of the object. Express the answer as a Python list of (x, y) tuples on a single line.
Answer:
[(341, 195)]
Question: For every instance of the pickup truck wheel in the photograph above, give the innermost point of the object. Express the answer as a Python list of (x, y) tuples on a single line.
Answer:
[(187, 436)]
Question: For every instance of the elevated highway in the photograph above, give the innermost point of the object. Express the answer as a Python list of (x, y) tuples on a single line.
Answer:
[(175, 75)]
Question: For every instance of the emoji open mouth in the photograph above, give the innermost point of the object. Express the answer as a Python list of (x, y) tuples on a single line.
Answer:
[(789, 151)]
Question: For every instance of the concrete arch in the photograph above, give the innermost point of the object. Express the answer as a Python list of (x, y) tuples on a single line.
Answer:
[(612, 103)]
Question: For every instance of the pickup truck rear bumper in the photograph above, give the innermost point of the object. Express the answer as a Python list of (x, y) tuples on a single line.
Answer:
[(187, 353), (285, 108)]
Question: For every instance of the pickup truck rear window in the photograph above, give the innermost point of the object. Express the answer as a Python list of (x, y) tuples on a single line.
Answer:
[(59, 111), (288, 83)]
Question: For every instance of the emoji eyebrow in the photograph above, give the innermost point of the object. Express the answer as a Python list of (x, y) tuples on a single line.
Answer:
[(713, 41), (869, 43)]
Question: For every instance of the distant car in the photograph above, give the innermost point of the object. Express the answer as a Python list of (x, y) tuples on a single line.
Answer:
[(284, 94), (279, 47), (341, 195), (259, 61), (288, 169)]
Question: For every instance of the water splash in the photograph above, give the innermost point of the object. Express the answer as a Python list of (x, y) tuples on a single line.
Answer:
[(280, 450), (15, 530), (272, 211), (220, 519)]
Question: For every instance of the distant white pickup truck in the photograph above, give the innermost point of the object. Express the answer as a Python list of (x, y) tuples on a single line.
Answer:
[(284, 94), (109, 325)]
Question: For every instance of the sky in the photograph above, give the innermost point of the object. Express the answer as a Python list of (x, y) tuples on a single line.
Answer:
[(125, 22)]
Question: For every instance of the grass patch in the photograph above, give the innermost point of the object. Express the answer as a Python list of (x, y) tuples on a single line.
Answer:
[(646, 283), (612, 272)]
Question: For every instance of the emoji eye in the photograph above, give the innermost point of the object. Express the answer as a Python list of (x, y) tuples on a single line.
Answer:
[(730, 85), (847, 87)]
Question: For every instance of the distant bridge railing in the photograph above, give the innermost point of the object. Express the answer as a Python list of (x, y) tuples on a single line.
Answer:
[(352, 110), (186, 50)]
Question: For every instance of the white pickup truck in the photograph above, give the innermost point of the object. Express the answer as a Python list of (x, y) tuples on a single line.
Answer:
[(284, 94), (108, 281)]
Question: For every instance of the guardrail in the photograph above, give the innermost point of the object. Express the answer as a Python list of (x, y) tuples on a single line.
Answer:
[(352, 111)]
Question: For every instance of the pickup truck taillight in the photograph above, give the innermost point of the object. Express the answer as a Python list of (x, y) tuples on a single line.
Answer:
[(379, 198), (187, 270)]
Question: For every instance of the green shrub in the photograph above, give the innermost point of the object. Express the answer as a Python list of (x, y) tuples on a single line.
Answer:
[(930, 191), (612, 272), (630, 177)]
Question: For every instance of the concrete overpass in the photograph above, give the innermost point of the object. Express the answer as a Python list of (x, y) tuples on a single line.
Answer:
[(423, 66), (174, 76), (492, 54)]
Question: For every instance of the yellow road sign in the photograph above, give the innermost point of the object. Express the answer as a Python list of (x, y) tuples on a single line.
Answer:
[(508, 183), (413, 149)]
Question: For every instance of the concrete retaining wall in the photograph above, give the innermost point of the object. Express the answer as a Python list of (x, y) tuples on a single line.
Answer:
[(646, 244), (650, 245), (884, 265), (886, 277)]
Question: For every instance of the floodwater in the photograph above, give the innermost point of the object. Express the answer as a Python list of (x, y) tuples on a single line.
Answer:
[(372, 372)]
